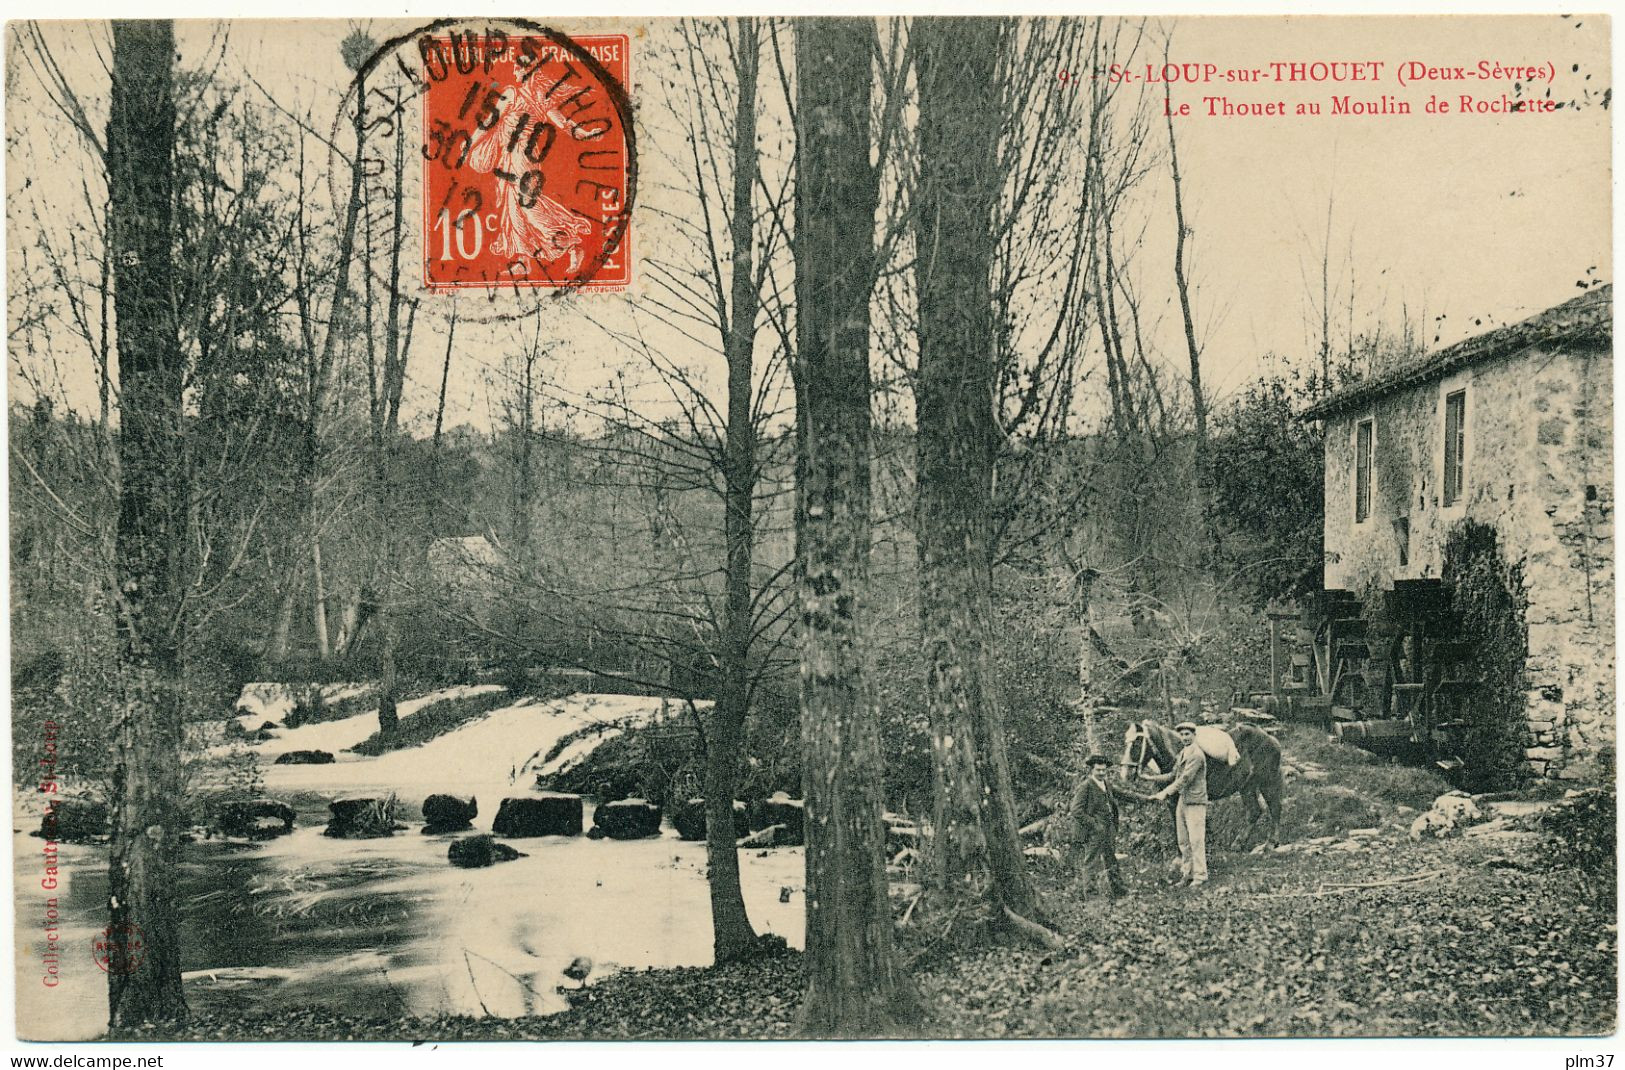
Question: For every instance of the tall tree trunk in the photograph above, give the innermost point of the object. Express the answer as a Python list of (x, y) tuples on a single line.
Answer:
[(104, 371), (445, 377), (143, 958), (520, 520), (1192, 349), (319, 365), (1113, 327), (732, 935), (1083, 614), (319, 598), (1117, 376), (440, 520), (976, 844), (388, 718), (855, 985), (276, 651), (1326, 295), (385, 423)]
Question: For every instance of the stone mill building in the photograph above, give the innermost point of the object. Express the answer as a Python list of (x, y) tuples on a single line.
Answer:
[(1502, 441)]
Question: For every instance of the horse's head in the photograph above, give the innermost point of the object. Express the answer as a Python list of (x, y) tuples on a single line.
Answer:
[(1136, 750)]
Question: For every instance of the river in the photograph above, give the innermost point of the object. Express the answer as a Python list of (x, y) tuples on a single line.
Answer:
[(387, 926)]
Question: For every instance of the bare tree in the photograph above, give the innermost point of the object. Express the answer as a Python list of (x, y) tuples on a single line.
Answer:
[(1192, 348), (520, 419), (386, 381), (320, 331), (732, 934), (714, 298)]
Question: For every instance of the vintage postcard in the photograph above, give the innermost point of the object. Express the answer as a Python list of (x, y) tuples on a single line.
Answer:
[(766, 527)]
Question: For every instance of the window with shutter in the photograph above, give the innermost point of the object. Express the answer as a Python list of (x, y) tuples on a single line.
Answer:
[(1455, 441), (1362, 472)]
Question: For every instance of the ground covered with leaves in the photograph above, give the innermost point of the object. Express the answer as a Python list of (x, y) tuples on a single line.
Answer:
[(1352, 928), (1478, 942)]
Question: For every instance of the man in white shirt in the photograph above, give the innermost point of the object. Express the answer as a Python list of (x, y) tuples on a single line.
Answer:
[(1189, 781)]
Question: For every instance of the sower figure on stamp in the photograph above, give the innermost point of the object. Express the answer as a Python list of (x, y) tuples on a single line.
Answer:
[(1094, 810), (530, 223), (1189, 782)]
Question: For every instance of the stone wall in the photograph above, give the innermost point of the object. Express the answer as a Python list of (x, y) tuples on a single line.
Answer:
[(1539, 469)]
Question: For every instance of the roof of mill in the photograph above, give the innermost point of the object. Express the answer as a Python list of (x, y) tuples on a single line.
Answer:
[(1586, 321)]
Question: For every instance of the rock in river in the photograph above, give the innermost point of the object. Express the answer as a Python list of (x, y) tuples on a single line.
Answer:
[(449, 813), (477, 852), (628, 819), (539, 815), (360, 819), (689, 819), (254, 819), (73, 820), (779, 809), (305, 757)]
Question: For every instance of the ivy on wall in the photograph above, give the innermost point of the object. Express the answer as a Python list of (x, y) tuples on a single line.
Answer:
[(1488, 598)]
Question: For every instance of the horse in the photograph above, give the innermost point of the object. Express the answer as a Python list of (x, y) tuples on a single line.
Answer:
[(1256, 779)]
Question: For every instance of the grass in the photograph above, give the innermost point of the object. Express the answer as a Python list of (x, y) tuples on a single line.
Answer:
[(1402, 785), (1384, 779), (1313, 810), (434, 720), (1358, 787)]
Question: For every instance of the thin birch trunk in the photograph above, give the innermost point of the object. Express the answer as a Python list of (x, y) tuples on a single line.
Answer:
[(319, 599)]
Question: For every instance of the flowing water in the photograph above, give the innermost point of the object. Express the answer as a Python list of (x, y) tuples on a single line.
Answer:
[(387, 926)]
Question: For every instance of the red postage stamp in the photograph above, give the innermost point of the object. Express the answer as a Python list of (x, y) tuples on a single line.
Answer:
[(527, 144)]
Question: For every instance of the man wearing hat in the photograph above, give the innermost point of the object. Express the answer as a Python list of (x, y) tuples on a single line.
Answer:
[(1094, 809), (1189, 782)]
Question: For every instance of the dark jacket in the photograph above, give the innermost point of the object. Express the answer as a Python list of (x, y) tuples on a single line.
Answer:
[(1094, 808)]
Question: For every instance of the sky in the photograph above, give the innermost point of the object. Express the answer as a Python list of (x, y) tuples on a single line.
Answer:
[(1479, 219), (1470, 221)]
